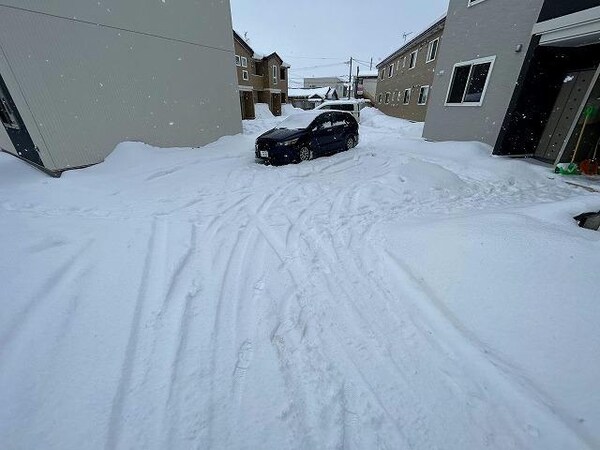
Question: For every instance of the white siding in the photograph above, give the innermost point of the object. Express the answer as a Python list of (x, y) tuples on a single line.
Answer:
[(87, 87)]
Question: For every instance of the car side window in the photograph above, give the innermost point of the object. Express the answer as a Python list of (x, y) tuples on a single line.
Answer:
[(339, 120), (323, 122)]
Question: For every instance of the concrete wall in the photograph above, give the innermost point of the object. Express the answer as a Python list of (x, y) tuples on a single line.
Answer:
[(489, 28), (86, 77), (404, 78)]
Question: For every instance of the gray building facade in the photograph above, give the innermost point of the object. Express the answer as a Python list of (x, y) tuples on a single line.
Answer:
[(406, 76), (77, 78), (487, 31), (522, 77)]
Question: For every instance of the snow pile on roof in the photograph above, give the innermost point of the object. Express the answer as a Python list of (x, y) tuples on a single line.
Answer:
[(369, 73), (299, 121), (403, 294), (322, 92)]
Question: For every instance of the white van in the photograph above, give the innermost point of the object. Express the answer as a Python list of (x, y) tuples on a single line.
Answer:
[(353, 106)]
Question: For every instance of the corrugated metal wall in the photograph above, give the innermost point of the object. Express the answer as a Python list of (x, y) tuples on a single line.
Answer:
[(87, 87)]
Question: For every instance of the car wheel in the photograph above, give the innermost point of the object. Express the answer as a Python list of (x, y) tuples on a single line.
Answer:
[(349, 142), (304, 154)]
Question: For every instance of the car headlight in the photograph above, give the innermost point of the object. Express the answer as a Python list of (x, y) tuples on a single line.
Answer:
[(287, 143)]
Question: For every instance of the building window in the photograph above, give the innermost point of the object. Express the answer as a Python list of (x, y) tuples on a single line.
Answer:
[(413, 59), (237, 60), (395, 96), (391, 71), (379, 98), (244, 61), (406, 99), (245, 75), (275, 74), (282, 73), (432, 50), (423, 95), (469, 82), (387, 98), (404, 62), (381, 74)]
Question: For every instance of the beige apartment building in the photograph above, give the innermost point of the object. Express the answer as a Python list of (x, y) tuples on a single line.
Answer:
[(261, 79), (406, 77)]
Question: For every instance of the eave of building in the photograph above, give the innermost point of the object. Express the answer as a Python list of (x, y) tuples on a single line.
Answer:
[(242, 42), (415, 41)]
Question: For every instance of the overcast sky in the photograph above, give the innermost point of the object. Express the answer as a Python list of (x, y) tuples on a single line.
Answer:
[(311, 33)]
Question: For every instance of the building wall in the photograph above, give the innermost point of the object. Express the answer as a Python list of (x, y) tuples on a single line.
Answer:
[(489, 28), (404, 78), (241, 51), (83, 85)]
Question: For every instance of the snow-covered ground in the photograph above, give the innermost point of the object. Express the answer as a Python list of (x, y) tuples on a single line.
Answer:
[(402, 295)]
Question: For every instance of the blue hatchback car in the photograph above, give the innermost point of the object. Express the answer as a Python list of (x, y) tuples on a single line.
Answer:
[(307, 135)]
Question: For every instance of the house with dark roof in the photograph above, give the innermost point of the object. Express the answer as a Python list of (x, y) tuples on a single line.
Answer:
[(309, 98), (261, 78)]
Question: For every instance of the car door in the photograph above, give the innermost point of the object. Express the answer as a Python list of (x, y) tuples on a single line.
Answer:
[(340, 130), (323, 133)]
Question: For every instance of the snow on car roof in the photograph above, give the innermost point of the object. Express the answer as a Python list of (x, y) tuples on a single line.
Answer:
[(300, 121)]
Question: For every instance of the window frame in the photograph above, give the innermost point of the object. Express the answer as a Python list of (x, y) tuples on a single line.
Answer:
[(428, 88), (390, 70), (473, 62), (380, 98), (416, 53), (404, 100), (388, 95), (245, 75), (238, 60), (275, 74), (430, 47), (244, 61)]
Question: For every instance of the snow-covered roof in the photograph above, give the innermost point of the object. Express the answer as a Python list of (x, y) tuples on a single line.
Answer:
[(259, 56), (321, 92), (368, 73)]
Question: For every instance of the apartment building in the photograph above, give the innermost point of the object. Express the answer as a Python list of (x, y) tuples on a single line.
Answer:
[(77, 79), (406, 77), (261, 79), (526, 80)]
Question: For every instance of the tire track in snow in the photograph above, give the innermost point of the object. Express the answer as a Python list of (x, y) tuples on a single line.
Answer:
[(157, 240)]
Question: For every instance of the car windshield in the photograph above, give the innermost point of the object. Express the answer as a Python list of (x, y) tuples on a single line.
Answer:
[(298, 121)]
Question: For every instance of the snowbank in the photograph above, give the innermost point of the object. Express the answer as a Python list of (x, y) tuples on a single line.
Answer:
[(404, 294), (372, 117)]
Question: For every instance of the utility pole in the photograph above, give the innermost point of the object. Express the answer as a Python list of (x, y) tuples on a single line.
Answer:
[(371, 65), (350, 79), (355, 86)]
